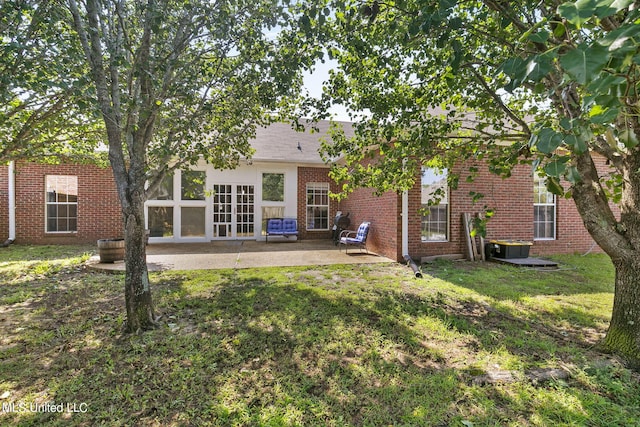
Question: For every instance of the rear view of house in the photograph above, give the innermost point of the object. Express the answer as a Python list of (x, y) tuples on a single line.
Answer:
[(286, 178)]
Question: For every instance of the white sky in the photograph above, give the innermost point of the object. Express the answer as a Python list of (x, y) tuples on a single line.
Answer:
[(313, 83)]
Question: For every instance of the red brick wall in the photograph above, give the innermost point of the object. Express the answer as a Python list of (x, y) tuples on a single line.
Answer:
[(310, 174), (571, 234), (511, 200), (4, 203), (99, 215), (384, 213)]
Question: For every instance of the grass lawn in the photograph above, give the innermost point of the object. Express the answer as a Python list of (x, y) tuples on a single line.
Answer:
[(364, 345)]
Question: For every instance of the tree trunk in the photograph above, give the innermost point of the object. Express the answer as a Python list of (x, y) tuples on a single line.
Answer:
[(619, 239), (140, 313), (623, 336)]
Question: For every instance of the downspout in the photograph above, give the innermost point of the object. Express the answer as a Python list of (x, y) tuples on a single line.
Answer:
[(405, 235), (405, 222), (12, 203)]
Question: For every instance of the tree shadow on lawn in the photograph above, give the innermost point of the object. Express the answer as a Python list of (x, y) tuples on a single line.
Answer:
[(569, 304), (508, 282), (247, 351)]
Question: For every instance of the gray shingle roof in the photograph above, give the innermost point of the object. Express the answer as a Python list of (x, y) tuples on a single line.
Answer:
[(279, 142)]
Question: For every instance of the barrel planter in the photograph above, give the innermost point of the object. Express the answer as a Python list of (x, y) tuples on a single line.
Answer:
[(111, 250)]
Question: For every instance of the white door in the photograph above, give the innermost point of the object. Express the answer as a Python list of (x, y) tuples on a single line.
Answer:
[(233, 211)]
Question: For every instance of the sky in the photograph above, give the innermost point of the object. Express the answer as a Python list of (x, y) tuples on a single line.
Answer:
[(313, 83)]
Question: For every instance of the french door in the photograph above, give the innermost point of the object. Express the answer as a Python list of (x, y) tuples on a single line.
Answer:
[(233, 211)]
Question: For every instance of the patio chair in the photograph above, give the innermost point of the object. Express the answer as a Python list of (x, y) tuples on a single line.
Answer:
[(281, 227), (355, 238)]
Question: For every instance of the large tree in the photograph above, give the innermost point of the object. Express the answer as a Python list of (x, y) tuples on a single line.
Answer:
[(177, 82), (168, 83), (546, 82)]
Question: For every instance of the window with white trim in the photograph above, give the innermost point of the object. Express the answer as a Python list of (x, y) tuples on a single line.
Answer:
[(317, 206), (435, 206), (544, 210), (61, 201), (273, 187)]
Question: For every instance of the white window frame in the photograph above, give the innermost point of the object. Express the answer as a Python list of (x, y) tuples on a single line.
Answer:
[(539, 189), (47, 203), (428, 175), (166, 203), (177, 203), (317, 186)]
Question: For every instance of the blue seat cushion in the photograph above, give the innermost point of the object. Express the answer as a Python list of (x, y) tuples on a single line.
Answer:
[(290, 226), (274, 226), (351, 240)]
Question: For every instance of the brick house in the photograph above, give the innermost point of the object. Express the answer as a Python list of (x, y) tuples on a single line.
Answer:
[(77, 203), (523, 210)]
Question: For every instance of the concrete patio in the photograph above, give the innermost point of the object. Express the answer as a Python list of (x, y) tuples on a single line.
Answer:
[(244, 254)]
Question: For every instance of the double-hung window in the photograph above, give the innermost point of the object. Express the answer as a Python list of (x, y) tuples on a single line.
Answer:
[(61, 203), (435, 206), (544, 211), (317, 206)]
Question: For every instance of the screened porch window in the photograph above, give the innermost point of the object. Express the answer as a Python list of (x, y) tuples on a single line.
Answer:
[(164, 190), (193, 185), (160, 221), (273, 187)]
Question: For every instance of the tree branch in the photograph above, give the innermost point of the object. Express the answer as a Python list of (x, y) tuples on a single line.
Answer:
[(92, 46), (496, 98)]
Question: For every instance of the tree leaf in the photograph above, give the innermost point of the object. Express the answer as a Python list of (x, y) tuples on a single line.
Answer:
[(539, 66), (541, 36), (607, 84), (548, 140), (585, 62), (576, 143), (577, 13), (601, 115), (565, 123), (606, 8), (628, 138), (554, 187), (515, 69), (557, 167), (573, 176), (447, 4)]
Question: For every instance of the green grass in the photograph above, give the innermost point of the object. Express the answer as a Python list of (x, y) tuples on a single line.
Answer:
[(337, 346)]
